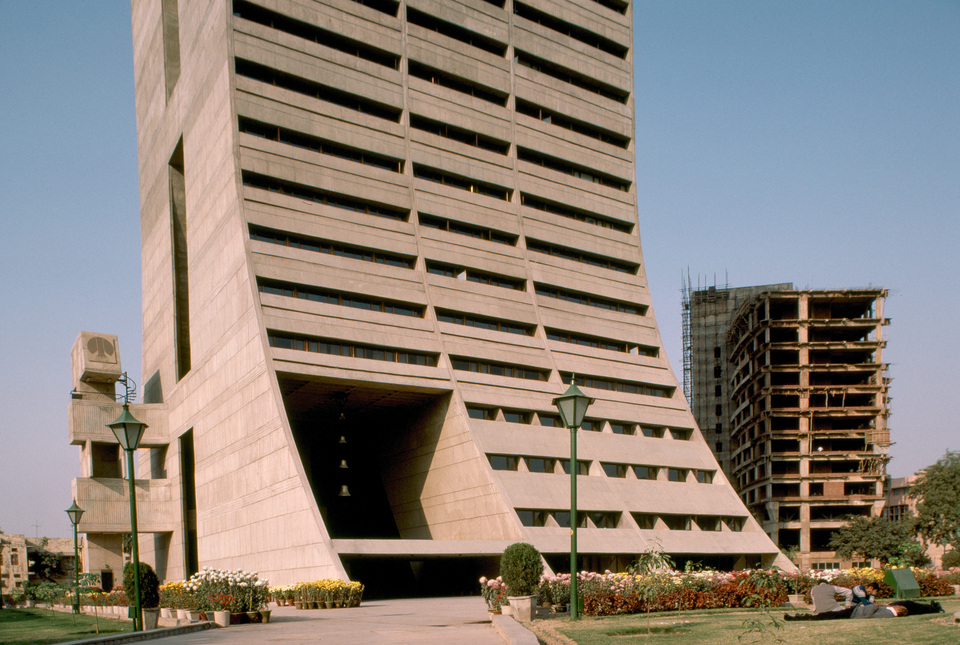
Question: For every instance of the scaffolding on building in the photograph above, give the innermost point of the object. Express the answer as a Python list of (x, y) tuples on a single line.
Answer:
[(685, 289)]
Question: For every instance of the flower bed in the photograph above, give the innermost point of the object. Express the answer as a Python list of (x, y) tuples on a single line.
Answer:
[(327, 593), (607, 593)]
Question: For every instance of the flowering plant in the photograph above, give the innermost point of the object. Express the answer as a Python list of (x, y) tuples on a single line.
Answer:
[(249, 593), (494, 592), (221, 602)]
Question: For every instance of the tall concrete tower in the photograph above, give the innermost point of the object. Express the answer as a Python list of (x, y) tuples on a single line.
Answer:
[(379, 238)]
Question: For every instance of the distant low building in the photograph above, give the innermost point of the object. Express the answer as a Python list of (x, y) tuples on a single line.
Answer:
[(14, 563), (900, 505)]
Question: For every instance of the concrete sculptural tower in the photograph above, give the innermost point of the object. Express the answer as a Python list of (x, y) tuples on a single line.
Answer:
[(379, 238)]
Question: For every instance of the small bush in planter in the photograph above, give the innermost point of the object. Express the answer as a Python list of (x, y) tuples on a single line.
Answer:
[(521, 568), (149, 586)]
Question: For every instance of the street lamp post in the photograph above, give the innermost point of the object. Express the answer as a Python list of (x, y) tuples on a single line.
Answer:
[(129, 431), (573, 407), (74, 513)]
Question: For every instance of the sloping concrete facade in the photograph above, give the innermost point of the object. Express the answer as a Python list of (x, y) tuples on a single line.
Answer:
[(378, 239)]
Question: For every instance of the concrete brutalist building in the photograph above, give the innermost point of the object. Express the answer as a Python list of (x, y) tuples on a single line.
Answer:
[(378, 239), (790, 388)]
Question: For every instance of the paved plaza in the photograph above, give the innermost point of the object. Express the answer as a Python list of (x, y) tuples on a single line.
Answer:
[(413, 621)]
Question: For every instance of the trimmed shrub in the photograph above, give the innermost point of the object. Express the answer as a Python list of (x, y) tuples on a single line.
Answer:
[(521, 567), (951, 559), (149, 586)]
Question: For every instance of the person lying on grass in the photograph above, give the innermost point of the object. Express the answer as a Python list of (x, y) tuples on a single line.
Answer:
[(861, 605)]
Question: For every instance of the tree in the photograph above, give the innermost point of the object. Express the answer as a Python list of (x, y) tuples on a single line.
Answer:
[(938, 507), (874, 538)]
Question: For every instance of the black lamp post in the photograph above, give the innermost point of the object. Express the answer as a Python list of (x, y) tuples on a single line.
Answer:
[(74, 513), (573, 407), (129, 431)]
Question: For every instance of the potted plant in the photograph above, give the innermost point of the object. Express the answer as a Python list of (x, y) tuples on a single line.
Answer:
[(355, 593), (220, 605), (149, 593), (521, 568)]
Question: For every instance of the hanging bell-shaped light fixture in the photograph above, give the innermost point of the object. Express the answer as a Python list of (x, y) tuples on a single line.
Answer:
[(344, 491), (343, 464), (343, 439)]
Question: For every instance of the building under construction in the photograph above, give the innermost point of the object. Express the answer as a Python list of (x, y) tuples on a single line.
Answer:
[(790, 390)]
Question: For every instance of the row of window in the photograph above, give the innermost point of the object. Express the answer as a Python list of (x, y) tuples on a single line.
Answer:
[(307, 31), (561, 518), (617, 385), (314, 294), (484, 322), (498, 369), (473, 275), (438, 268), (469, 230), (579, 298), (553, 420), (537, 464), (582, 257), (353, 350), (355, 102), (613, 520), (572, 169), (316, 144), (555, 118), (390, 7), (456, 83), (462, 135), (574, 31), (281, 238), (366, 51), (326, 198), (677, 522), (601, 343), (456, 32), (556, 208), (549, 465), (576, 79), (463, 183)]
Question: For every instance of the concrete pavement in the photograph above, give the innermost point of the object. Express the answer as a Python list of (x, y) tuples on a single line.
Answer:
[(417, 621)]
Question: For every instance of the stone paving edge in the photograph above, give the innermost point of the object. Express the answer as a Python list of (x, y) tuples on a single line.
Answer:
[(136, 637)]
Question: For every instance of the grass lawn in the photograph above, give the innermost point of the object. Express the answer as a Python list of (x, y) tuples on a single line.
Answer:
[(721, 626), (42, 626)]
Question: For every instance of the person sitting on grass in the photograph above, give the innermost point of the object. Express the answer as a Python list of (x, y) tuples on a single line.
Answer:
[(825, 605)]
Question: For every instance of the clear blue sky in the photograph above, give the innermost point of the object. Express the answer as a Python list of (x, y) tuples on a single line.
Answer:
[(808, 142)]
